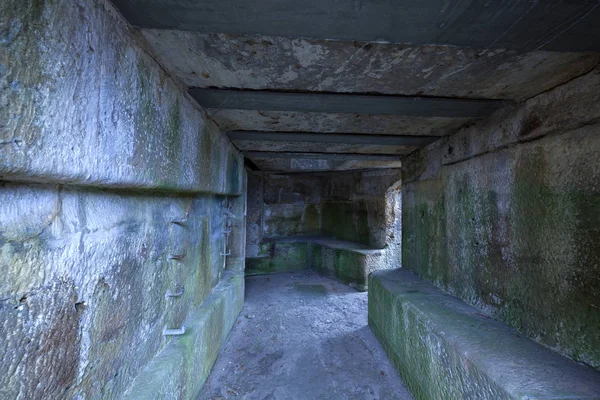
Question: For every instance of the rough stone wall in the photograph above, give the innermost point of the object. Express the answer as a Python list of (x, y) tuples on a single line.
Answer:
[(99, 153), (81, 102), (346, 205), (505, 215), (354, 206), (360, 207)]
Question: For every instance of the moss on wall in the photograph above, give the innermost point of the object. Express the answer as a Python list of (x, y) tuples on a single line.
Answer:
[(424, 231), (288, 257), (347, 220), (515, 233)]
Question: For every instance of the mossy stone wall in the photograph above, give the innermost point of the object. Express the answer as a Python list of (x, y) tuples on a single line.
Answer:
[(100, 151), (508, 218)]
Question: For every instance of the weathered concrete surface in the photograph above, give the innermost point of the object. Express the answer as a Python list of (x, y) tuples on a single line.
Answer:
[(331, 122), (181, 368), (266, 145), (270, 163), (302, 336), (86, 267), (504, 215), (81, 102), (446, 349), (346, 103), (263, 62)]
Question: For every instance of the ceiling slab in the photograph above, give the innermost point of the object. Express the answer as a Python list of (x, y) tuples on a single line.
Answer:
[(560, 25), (267, 62), (312, 147), (300, 164), (230, 120), (416, 106), (345, 138), (320, 156)]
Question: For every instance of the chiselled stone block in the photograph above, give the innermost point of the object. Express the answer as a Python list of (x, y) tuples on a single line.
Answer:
[(446, 349), (181, 368), (348, 262), (281, 257)]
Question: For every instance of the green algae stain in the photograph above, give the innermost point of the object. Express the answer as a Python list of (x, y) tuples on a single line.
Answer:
[(346, 221), (25, 41), (145, 120), (173, 139), (349, 267), (424, 248), (233, 174), (530, 254), (288, 257), (311, 219), (556, 290)]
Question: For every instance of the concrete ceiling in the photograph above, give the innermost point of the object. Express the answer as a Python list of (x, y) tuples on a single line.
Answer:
[(373, 67)]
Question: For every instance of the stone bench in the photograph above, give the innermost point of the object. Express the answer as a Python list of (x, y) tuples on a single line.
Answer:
[(348, 262), (182, 367), (446, 349)]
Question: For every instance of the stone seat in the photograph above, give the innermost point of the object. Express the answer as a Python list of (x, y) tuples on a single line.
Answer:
[(348, 262), (447, 349), (197, 348)]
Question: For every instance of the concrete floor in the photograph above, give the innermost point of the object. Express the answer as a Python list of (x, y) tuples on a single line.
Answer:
[(302, 336)]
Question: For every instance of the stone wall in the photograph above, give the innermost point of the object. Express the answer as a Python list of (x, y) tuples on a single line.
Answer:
[(113, 191), (286, 209), (356, 206), (505, 214)]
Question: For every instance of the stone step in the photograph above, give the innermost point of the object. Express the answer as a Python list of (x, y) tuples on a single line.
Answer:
[(446, 349), (181, 368)]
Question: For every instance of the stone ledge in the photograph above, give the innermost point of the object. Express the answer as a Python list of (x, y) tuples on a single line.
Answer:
[(349, 262), (181, 368), (284, 256), (446, 349)]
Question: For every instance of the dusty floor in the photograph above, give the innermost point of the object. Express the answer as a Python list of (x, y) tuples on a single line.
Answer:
[(302, 336)]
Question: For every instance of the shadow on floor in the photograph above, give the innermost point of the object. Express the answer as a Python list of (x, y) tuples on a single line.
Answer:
[(302, 336)]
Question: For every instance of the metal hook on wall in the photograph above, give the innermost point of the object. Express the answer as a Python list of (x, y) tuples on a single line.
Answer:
[(178, 256), (174, 294), (182, 221), (173, 332)]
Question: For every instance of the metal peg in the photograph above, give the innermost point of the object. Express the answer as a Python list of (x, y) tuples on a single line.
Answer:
[(176, 294), (182, 221), (226, 254), (173, 332), (178, 256)]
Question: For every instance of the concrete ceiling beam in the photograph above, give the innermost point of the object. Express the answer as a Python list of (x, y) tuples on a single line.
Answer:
[(319, 156), (562, 25), (345, 103), (346, 138)]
